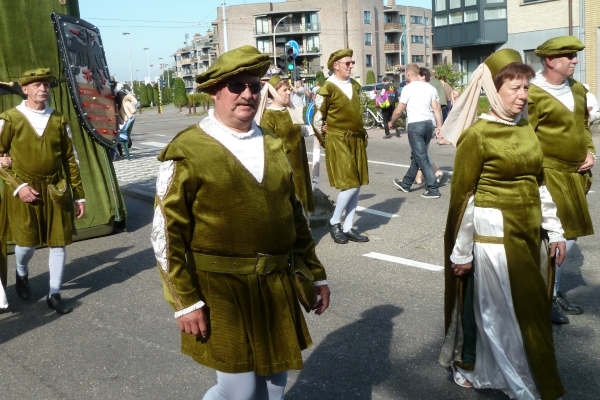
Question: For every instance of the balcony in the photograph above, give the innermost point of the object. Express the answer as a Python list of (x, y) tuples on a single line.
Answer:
[(392, 47), (393, 26), (288, 28)]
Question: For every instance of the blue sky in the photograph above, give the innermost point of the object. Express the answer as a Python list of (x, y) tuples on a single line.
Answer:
[(157, 24)]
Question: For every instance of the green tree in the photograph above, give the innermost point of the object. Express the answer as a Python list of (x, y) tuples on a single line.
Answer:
[(136, 89), (451, 73), (179, 95), (150, 91), (145, 102), (320, 77), (371, 78), (156, 96)]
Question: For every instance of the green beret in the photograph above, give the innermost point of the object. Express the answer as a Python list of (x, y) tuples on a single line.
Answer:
[(501, 59), (243, 59), (338, 55), (274, 80), (36, 75), (559, 45)]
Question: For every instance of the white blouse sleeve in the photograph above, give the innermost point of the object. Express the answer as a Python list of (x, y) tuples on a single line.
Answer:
[(463, 248), (550, 221)]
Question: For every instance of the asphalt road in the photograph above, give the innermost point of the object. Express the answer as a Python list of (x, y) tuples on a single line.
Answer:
[(379, 340)]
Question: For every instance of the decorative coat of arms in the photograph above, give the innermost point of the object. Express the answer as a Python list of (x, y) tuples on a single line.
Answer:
[(87, 76)]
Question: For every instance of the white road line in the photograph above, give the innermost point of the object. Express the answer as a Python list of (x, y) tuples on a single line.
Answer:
[(153, 144), (380, 213), (404, 261)]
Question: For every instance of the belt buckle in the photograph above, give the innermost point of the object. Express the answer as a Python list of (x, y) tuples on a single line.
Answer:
[(265, 268)]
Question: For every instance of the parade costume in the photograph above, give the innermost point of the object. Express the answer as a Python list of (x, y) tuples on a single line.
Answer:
[(498, 332)]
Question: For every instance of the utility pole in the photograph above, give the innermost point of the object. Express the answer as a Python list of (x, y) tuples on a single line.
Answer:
[(225, 28)]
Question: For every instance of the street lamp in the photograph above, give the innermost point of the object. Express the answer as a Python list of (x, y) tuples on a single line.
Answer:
[(275, 29), (400, 51), (130, 67), (148, 54), (138, 71), (161, 68)]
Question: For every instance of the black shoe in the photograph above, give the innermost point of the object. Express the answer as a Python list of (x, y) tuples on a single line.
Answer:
[(56, 303), (336, 233), (22, 286), (397, 133), (355, 236), (388, 136), (566, 306), (398, 183), (428, 195), (557, 315)]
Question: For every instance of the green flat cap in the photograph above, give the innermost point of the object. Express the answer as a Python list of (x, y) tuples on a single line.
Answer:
[(36, 75), (559, 45), (338, 55), (500, 59), (243, 59), (275, 79)]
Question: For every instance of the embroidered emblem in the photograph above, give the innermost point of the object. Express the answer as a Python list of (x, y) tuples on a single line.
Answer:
[(166, 173), (318, 101), (159, 238), (70, 135), (318, 121), (63, 2)]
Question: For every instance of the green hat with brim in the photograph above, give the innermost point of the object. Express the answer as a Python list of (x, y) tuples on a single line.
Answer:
[(558, 46), (245, 59), (338, 55), (501, 59), (36, 75)]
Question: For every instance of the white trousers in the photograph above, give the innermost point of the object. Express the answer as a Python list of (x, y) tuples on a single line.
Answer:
[(247, 386)]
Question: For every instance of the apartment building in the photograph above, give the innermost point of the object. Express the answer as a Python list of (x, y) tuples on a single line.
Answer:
[(374, 29), (474, 29), (194, 59)]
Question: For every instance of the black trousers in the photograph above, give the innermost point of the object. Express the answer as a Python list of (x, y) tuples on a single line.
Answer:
[(386, 113)]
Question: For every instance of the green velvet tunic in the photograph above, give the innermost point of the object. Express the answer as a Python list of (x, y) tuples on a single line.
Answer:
[(346, 139), (35, 160), (501, 166), (28, 41), (280, 123), (566, 140), (214, 206)]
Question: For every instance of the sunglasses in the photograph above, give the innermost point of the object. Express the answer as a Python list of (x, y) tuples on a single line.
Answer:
[(570, 56), (348, 63), (240, 87)]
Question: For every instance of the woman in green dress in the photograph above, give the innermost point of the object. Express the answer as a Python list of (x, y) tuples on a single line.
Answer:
[(287, 123), (498, 288)]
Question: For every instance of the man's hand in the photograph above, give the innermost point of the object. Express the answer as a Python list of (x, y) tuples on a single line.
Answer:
[(127, 108), (392, 125), (461, 269), (558, 250), (28, 195), (194, 323), (323, 303), (587, 164), (79, 209)]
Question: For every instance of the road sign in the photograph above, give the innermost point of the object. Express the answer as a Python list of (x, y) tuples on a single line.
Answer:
[(295, 46)]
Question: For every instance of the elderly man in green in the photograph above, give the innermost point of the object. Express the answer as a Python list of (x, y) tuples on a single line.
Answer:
[(37, 205), (558, 114), (337, 107), (228, 234)]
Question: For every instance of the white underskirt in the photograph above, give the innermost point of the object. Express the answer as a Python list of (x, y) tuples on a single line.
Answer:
[(501, 362)]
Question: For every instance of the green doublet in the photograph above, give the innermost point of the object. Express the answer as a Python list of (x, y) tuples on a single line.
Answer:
[(501, 166), (566, 140), (213, 206), (345, 139), (280, 123), (38, 161)]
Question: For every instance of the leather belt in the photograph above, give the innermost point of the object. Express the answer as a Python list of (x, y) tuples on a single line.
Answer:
[(262, 264)]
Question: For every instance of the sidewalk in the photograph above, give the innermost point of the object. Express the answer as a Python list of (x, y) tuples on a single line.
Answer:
[(137, 177)]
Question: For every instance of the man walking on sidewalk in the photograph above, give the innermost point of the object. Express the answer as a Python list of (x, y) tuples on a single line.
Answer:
[(418, 99)]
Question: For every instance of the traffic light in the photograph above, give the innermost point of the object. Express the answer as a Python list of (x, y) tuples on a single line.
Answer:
[(297, 76), (290, 59), (282, 62)]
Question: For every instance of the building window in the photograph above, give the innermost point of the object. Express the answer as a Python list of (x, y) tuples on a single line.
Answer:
[(416, 39), (426, 21), (531, 59), (440, 5), (313, 44), (262, 26), (494, 13), (417, 58), (488, 2), (263, 45), (367, 17), (402, 19), (455, 18), (426, 40), (440, 20), (369, 60), (470, 3), (471, 15), (454, 4), (368, 39), (416, 19)]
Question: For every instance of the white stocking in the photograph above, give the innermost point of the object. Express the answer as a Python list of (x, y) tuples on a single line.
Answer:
[(23, 256), (561, 268), (56, 264), (343, 201), (247, 386)]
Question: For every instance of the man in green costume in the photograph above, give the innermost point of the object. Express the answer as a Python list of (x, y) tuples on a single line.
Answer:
[(228, 230), (337, 106), (36, 203), (558, 114)]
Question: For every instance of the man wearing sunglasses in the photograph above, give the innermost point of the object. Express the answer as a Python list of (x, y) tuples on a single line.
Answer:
[(228, 230), (558, 114), (337, 106)]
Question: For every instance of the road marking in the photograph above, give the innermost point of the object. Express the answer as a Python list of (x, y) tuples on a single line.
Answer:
[(380, 213), (158, 134), (153, 144), (404, 261)]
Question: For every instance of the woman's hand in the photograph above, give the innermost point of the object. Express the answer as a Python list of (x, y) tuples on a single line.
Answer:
[(461, 269)]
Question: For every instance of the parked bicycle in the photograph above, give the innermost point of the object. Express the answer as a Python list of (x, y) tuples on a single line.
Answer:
[(372, 120)]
